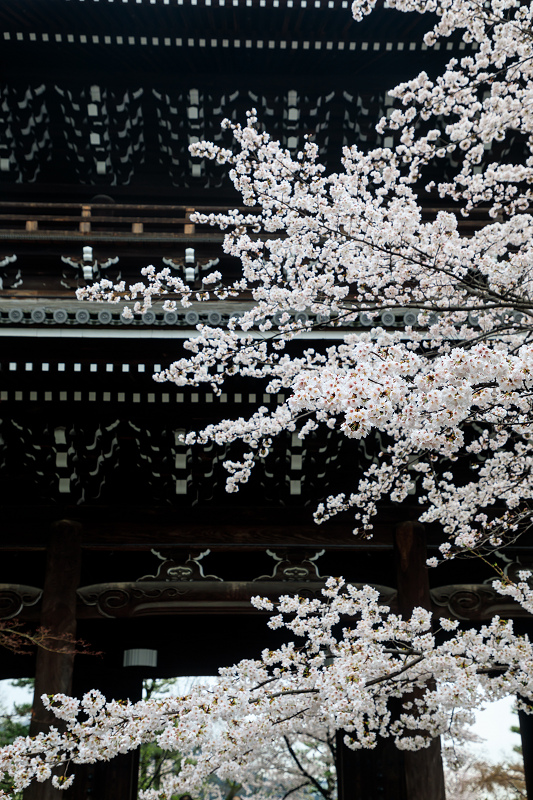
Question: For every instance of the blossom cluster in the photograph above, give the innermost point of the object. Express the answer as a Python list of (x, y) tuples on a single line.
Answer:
[(448, 394), (352, 246), (354, 679)]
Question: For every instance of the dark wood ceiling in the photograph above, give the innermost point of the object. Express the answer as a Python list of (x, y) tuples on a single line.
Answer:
[(110, 94)]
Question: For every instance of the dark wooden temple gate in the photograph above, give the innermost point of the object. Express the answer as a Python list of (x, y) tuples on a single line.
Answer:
[(111, 528)]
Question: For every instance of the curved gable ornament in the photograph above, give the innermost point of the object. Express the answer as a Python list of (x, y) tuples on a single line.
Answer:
[(16, 597), (473, 602)]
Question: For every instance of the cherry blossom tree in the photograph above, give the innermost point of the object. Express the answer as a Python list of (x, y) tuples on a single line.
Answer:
[(454, 387), (482, 779), (450, 394), (301, 765), (297, 765), (352, 680), (16, 638)]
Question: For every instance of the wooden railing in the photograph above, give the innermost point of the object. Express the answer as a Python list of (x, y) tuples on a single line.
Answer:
[(128, 221), (103, 221)]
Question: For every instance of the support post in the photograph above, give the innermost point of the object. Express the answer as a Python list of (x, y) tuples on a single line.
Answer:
[(369, 774), (189, 226), (53, 671), (526, 734), (424, 775), (85, 224), (116, 779)]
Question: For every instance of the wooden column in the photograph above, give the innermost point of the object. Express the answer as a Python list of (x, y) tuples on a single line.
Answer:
[(424, 774), (53, 671), (370, 774), (526, 734), (116, 779)]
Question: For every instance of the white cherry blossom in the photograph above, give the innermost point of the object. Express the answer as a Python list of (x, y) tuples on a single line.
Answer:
[(449, 393)]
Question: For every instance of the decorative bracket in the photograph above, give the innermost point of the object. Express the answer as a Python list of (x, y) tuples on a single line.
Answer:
[(191, 268), (15, 597), (189, 570), (512, 566), (11, 281), (289, 569), (87, 266)]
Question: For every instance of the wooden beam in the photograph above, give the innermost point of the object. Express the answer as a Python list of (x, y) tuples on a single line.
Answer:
[(249, 534)]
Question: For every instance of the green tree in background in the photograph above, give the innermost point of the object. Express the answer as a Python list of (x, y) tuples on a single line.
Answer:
[(15, 721)]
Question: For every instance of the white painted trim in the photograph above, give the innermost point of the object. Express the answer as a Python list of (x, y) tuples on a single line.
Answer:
[(136, 333)]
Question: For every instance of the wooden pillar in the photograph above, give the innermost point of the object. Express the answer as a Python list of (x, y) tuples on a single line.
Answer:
[(116, 779), (53, 671), (526, 734), (424, 775), (370, 774)]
